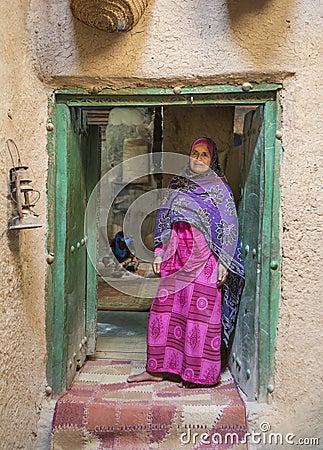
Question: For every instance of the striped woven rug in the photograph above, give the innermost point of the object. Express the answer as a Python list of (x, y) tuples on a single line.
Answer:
[(102, 411)]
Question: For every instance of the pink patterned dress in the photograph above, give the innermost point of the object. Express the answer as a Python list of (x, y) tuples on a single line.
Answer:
[(184, 327)]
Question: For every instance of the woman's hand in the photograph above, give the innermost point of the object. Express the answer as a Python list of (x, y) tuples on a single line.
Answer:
[(222, 275), (156, 264)]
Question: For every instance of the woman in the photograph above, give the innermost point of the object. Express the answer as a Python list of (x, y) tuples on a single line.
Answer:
[(198, 257)]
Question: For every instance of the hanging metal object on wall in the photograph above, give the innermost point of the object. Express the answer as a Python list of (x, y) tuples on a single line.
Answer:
[(109, 15), (22, 195)]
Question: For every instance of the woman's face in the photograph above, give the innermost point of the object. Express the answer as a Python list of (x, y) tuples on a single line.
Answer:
[(200, 159)]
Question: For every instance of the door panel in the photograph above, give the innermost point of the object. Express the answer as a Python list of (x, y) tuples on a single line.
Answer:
[(244, 354), (75, 268), (74, 277)]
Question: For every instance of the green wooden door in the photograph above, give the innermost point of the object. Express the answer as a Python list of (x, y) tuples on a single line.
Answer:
[(244, 355), (75, 260), (74, 277), (252, 355)]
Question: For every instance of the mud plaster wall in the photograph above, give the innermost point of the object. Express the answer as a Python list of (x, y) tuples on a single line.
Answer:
[(23, 106), (186, 43)]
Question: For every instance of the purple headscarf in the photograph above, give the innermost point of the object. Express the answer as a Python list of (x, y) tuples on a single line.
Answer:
[(206, 202)]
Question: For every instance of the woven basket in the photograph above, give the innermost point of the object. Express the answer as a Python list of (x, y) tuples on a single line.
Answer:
[(109, 15)]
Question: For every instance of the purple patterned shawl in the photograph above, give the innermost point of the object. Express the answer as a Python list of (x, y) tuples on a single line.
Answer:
[(206, 202)]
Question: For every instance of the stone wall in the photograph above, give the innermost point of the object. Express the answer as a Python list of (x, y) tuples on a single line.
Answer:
[(187, 43)]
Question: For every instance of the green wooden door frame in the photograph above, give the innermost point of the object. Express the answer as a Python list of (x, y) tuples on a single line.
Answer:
[(255, 94)]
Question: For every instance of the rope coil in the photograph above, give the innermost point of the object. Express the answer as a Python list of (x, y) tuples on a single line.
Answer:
[(109, 15)]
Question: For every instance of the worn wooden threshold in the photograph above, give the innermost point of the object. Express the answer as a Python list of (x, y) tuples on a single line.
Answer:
[(119, 347)]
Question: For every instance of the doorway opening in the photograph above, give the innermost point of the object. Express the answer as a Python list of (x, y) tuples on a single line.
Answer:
[(96, 140), (127, 132)]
